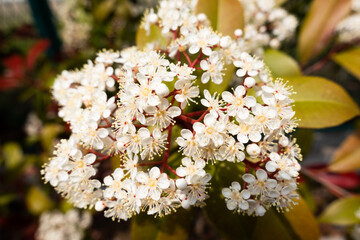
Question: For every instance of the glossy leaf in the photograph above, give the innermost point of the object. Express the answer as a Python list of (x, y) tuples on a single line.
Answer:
[(225, 15), (281, 64), (347, 157), (37, 201), (219, 88), (321, 103), (154, 36), (350, 60), (318, 26), (342, 211)]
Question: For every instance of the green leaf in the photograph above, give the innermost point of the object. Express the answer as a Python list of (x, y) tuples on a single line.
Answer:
[(171, 227), (318, 26), (104, 9), (37, 201), (154, 36), (281, 64), (304, 138), (350, 60), (288, 225), (342, 211), (12, 155), (219, 88), (48, 135), (225, 15), (347, 156), (321, 103)]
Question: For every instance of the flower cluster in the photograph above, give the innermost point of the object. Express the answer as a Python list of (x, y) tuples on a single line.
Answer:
[(59, 226), (266, 24), (349, 28), (137, 112)]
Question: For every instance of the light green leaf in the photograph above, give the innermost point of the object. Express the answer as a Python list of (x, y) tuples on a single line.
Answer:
[(12, 155), (347, 156), (318, 26), (350, 60), (37, 201), (321, 103), (281, 64), (288, 225), (219, 88), (342, 211), (171, 227), (154, 36), (225, 15)]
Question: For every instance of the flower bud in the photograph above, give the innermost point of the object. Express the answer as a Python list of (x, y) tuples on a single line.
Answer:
[(284, 141), (238, 33), (253, 149), (99, 206), (249, 82)]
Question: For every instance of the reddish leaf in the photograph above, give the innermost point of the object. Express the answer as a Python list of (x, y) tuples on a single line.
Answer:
[(345, 180), (15, 65), (35, 52), (7, 83)]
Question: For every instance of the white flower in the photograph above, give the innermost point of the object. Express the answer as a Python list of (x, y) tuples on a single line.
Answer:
[(188, 144), (203, 39), (212, 69), (233, 151), (114, 184), (261, 184), (238, 103), (154, 182), (191, 168), (236, 200), (211, 130), (288, 168), (162, 115)]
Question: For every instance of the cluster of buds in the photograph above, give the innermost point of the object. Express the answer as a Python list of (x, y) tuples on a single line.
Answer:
[(349, 28), (150, 109)]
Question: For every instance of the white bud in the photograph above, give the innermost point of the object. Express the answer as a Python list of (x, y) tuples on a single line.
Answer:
[(238, 33), (153, 18), (249, 82), (274, 43), (181, 183), (225, 42), (253, 149), (284, 141), (99, 206), (201, 17)]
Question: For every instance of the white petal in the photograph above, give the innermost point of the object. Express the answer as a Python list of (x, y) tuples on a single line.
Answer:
[(90, 158), (236, 186), (102, 132), (154, 172), (261, 175), (108, 180), (163, 183), (249, 178)]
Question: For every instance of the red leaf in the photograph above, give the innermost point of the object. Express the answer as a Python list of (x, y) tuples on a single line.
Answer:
[(344, 180), (15, 65), (35, 52), (7, 83)]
